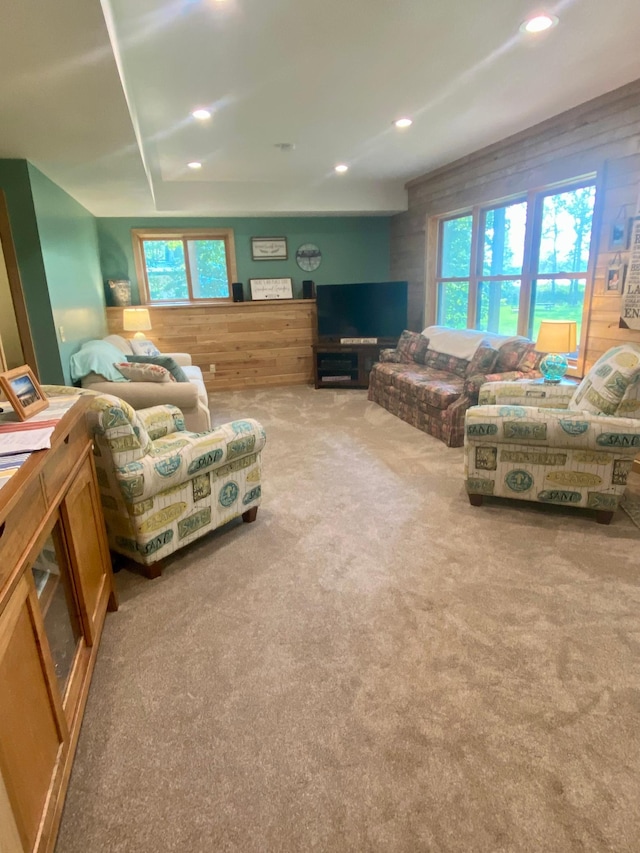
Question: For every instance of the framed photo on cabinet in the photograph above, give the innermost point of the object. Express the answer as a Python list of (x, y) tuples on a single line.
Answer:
[(22, 390)]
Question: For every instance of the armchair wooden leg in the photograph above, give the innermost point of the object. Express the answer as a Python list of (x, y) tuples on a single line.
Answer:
[(476, 500), (603, 516), (152, 571), (250, 514)]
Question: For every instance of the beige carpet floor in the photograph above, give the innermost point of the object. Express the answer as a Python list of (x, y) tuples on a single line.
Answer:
[(374, 665)]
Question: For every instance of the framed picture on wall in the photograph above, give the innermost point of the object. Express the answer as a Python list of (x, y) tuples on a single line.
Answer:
[(615, 278), (619, 235), (269, 249), (22, 390)]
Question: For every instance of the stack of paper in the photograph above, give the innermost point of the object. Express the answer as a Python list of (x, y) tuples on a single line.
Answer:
[(25, 437)]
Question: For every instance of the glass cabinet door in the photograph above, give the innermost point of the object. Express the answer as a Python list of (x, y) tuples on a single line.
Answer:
[(58, 605)]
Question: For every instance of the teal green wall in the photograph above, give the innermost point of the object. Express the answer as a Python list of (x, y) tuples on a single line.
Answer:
[(69, 246), (353, 248), (15, 181)]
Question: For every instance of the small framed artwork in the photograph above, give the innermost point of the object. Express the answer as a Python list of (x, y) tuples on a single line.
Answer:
[(271, 288), (619, 235), (22, 390), (615, 278), (269, 249)]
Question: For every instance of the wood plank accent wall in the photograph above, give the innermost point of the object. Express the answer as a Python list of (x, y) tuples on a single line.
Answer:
[(599, 137), (252, 344)]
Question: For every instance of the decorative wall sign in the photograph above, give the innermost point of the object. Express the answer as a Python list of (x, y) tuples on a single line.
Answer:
[(269, 249), (630, 312), (308, 257), (271, 288)]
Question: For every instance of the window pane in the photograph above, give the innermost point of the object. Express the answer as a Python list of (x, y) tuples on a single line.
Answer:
[(208, 265), (557, 299), (456, 247), (166, 273), (504, 229), (498, 307), (566, 231), (453, 297)]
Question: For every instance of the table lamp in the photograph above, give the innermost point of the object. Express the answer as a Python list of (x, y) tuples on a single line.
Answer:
[(556, 337), (136, 320)]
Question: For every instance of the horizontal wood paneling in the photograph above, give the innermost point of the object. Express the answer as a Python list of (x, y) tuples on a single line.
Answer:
[(599, 137), (252, 344)]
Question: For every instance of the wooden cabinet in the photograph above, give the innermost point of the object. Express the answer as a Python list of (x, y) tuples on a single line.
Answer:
[(345, 365), (56, 585)]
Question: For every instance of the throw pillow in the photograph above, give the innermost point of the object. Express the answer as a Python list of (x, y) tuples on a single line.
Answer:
[(605, 385), (448, 363), (96, 357), (164, 361), (144, 347), (144, 372), (510, 355), (412, 346), (483, 360), (530, 360)]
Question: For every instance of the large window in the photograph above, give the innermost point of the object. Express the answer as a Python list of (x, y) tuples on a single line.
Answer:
[(503, 268), (184, 266)]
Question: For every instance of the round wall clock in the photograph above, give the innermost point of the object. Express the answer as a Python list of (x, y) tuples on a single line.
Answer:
[(308, 257)]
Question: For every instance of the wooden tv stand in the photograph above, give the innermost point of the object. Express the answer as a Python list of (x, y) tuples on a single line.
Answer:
[(56, 586), (337, 365)]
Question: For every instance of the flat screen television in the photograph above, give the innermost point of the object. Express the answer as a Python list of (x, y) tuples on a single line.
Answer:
[(365, 310)]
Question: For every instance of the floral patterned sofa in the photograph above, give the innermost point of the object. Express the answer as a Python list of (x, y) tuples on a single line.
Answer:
[(163, 487), (433, 377), (574, 450)]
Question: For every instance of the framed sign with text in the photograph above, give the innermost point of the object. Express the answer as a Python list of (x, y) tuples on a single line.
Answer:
[(269, 249), (271, 288)]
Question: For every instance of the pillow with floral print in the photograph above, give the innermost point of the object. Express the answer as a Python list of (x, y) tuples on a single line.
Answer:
[(142, 372)]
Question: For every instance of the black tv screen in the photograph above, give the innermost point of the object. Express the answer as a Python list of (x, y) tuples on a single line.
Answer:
[(366, 310)]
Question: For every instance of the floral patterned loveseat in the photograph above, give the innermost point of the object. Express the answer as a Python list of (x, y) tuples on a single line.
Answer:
[(431, 378)]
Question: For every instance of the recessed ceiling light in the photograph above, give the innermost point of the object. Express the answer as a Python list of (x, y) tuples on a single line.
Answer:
[(403, 122), (201, 114), (341, 167), (195, 164), (539, 23)]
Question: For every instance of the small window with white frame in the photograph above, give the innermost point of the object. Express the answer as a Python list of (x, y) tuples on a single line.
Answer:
[(184, 266)]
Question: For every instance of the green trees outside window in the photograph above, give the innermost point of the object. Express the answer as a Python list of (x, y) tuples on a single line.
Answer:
[(502, 289), (184, 266)]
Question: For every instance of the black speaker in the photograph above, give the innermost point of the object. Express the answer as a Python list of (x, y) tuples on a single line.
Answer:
[(308, 290), (238, 293)]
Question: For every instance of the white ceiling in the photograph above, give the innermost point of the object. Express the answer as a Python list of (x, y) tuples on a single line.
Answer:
[(100, 98)]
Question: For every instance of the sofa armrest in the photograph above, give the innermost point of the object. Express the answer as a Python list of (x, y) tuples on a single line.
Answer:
[(181, 457), (182, 359), (392, 355), (473, 383), (142, 395), (526, 393)]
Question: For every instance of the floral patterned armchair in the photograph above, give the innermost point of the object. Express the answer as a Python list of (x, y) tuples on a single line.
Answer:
[(163, 487)]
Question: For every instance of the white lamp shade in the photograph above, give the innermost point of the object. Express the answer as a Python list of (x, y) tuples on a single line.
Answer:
[(136, 320), (557, 336)]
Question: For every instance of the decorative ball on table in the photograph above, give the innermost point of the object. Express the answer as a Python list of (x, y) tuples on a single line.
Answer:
[(555, 338)]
